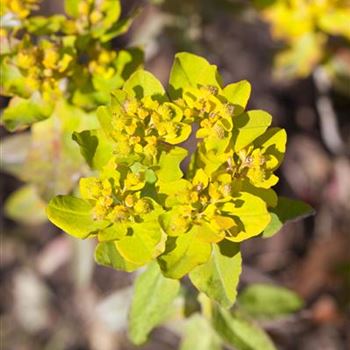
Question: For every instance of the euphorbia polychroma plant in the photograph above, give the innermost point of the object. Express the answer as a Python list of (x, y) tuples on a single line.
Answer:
[(154, 198)]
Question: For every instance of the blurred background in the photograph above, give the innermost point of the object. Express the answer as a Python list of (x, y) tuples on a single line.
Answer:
[(54, 297)]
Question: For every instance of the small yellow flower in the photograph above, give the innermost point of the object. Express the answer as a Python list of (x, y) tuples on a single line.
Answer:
[(142, 206), (130, 106), (83, 8), (129, 200), (133, 181), (142, 113), (119, 213), (95, 16), (51, 58), (149, 103), (25, 60)]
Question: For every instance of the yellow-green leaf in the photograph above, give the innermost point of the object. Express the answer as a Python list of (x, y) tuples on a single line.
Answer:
[(287, 209), (143, 83), (74, 216), (251, 215), (106, 254), (190, 70), (152, 299), (238, 94), (200, 335), (23, 112), (240, 332), (95, 147), (26, 206), (182, 254), (169, 164), (269, 301), (248, 126), (218, 277), (143, 244)]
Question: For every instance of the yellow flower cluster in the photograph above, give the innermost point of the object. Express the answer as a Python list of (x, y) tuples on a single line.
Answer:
[(102, 63), (294, 18), (45, 67), (116, 195), (20, 8), (146, 203), (145, 129), (305, 26), (64, 56), (139, 126)]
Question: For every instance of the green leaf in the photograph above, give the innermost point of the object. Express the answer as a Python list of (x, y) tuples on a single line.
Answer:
[(107, 254), (72, 118), (72, 7), (120, 27), (111, 10), (200, 335), (287, 209), (143, 83), (218, 278), (86, 97), (12, 80), (23, 112), (40, 25), (104, 116), (153, 296), (183, 253), (73, 215), (190, 70), (268, 195), (238, 94), (25, 206), (169, 164), (251, 216), (118, 98), (142, 246), (128, 61), (105, 85), (268, 301), (114, 232), (95, 147), (248, 126), (240, 332)]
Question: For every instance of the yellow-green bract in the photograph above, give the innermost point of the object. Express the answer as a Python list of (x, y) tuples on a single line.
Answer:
[(145, 205)]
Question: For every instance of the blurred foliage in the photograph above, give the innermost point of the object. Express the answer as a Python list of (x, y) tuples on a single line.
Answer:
[(24, 205), (268, 301), (57, 70), (307, 27), (240, 331)]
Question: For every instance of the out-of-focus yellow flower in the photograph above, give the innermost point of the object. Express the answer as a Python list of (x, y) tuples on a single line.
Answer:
[(305, 26), (21, 8), (95, 16), (51, 58)]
